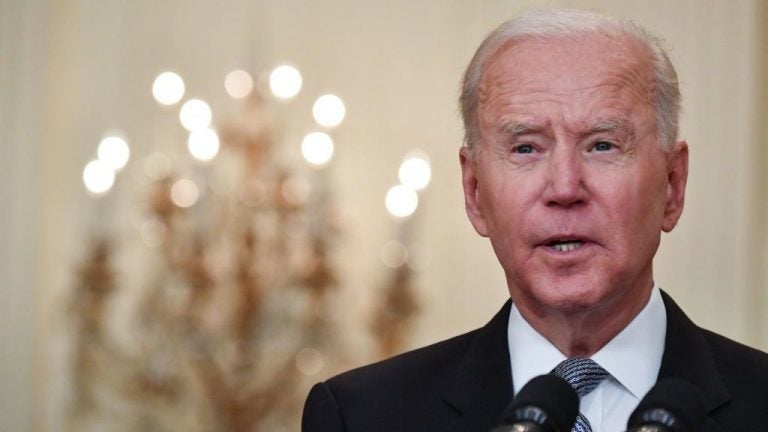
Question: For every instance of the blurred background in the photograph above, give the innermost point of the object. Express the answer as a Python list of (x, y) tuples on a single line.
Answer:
[(208, 206)]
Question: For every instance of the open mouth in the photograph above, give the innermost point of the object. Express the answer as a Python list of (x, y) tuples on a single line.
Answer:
[(565, 245)]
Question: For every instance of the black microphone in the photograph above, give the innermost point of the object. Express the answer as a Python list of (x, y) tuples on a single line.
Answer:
[(545, 404), (672, 405)]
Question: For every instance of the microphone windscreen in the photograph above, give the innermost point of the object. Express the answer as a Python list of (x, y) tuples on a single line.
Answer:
[(552, 395), (680, 400)]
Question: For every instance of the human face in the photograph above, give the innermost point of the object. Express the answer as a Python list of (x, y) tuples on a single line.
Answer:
[(568, 179)]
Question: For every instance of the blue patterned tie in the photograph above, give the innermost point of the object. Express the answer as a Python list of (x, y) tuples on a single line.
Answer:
[(583, 375)]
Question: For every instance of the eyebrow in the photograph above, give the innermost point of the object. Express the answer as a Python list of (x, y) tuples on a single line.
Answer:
[(516, 128), (620, 126), (613, 125)]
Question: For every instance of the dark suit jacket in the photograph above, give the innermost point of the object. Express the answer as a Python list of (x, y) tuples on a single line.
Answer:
[(464, 383)]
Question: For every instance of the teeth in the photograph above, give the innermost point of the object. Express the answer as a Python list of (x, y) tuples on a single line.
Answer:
[(567, 246)]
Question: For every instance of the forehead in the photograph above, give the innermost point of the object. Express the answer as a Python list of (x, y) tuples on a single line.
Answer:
[(582, 74)]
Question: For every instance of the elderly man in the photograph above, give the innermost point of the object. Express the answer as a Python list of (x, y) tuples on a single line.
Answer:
[(572, 168)]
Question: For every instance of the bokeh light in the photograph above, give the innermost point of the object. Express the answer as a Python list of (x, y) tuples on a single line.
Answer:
[(195, 114), (401, 201), (98, 177), (184, 193), (394, 254), (238, 84), (153, 233), (415, 171), (317, 148), (285, 82), (295, 190), (168, 88), (328, 111), (309, 361), (203, 144), (114, 151)]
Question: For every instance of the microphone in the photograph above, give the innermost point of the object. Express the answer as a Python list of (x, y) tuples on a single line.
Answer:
[(672, 405), (545, 404)]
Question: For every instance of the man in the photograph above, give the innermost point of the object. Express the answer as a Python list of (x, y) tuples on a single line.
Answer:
[(572, 168)]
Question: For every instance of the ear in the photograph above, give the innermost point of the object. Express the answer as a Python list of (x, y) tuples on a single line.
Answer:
[(471, 192), (677, 178)]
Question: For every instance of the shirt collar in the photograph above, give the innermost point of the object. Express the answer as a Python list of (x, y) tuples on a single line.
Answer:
[(633, 357)]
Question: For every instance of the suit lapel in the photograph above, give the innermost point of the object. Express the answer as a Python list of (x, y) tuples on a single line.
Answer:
[(481, 386), (687, 355)]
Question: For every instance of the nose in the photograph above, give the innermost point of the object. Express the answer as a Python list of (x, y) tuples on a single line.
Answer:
[(565, 182)]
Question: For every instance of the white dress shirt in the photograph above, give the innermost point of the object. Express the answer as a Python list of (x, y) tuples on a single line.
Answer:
[(633, 359)]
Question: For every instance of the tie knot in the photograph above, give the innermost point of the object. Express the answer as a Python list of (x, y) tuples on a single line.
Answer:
[(582, 374)]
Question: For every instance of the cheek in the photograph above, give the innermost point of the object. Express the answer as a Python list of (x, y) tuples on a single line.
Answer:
[(510, 209), (506, 200), (637, 204)]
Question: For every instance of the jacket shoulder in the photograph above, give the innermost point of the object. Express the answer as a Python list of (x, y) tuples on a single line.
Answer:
[(740, 365), (400, 393), (422, 368), (744, 372), (465, 379)]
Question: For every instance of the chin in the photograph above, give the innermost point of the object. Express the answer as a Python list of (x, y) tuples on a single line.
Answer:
[(572, 305), (569, 296)]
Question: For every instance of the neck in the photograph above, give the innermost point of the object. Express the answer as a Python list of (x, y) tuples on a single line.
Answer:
[(582, 333)]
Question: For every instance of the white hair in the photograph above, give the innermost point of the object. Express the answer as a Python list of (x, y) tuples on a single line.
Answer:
[(548, 24)]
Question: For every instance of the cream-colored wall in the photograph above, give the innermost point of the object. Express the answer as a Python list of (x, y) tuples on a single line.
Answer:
[(81, 67), (22, 60)]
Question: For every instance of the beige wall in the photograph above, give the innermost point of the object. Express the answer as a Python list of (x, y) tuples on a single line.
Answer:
[(22, 60), (81, 67)]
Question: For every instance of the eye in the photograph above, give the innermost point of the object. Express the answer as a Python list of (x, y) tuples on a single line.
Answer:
[(523, 149), (602, 146)]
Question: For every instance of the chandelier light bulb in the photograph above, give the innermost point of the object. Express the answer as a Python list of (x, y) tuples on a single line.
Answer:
[(168, 88), (401, 201), (238, 84), (98, 177), (195, 114), (203, 144), (329, 110), (114, 151), (317, 148), (184, 193), (285, 82), (415, 172)]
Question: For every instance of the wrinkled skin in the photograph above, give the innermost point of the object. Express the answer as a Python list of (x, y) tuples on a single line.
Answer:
[(571, 185)]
